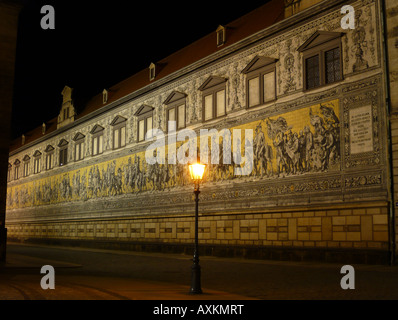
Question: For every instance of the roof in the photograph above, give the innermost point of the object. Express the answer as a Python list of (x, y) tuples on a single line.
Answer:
[(243, 27)]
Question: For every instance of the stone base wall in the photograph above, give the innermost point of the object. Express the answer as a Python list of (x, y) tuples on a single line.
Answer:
[(317, 233)]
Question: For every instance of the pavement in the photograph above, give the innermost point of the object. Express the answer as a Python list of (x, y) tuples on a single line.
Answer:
[(89, 274), (20, 280)]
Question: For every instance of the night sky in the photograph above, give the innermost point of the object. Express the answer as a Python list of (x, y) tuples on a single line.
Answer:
[(97, 44)]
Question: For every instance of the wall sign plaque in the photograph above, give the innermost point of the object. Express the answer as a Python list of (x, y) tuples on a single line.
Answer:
[(361, 130)]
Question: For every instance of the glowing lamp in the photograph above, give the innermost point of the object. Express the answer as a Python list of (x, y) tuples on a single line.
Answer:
[(196, 171)]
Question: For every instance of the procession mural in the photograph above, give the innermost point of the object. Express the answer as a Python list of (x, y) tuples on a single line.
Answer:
[(300, 142)]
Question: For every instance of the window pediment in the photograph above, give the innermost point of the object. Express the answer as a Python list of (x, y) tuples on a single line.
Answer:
[(78, 136), (37, 153), (63, 143), (49, 148), (143, 110), (118, 120), (97, 128), (319, 38), (211, 82), (17, 162), (258, 62), (175, 96), (26, 158)]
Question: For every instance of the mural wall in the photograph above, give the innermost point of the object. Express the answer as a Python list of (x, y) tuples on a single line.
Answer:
[(303, 141), (300, 142)]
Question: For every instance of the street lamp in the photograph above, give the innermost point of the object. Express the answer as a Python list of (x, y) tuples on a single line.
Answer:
[(196, 171)]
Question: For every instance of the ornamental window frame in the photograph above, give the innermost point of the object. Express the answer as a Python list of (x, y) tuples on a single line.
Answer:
[(63, 152), (320, 43), (26, 166), (119, 132), (79, 140), (210, 94), (144, 116), (17, 172), (37, 162), (97, 140), (259, 68), (174, 104), (49, 157)]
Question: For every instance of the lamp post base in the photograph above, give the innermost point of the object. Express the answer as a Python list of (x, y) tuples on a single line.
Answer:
[(195, 279)]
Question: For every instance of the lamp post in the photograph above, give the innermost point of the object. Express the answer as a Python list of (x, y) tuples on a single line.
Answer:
[(196, 171)]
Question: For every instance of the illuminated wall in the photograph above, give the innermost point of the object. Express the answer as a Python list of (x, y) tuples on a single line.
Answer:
[(321, 171)]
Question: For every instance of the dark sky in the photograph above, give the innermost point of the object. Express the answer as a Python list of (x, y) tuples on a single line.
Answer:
[(96, 44)]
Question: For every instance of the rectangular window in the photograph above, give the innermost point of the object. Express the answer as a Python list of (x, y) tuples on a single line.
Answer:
[(79, 151), (9, 173), (116, 139), (269, 86), (95, 146), (181, 116), (26, 169), (49, 161), (119, 137), (98, 142), (141, 130), (209, 107), (254, 92), (63, 157), (332, 65), (220, 37), (171, 116), (312, 72), (16, 173), (260, 82), (122, 136), (149, 127), (37, 165), (220, 96)]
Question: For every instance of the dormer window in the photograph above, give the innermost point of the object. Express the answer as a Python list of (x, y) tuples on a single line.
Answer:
[(152, 72), (104, 96), (220, 35)]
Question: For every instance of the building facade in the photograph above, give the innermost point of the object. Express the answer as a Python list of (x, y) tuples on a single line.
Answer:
[(314, 97)]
